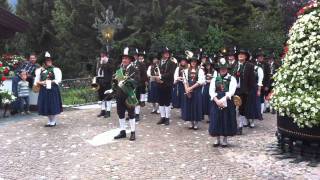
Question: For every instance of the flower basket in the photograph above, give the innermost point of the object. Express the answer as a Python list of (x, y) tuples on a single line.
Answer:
[(287, 128)]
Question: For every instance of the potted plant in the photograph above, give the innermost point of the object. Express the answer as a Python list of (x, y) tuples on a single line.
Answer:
[(297, 83)]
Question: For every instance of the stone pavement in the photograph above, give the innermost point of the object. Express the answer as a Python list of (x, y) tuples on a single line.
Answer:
[(82, 147)]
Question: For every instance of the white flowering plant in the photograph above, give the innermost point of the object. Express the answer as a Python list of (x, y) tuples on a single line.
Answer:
[(297, 83), (6, 97)]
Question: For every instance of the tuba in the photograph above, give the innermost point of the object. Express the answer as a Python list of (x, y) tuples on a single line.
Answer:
[(94, 85)]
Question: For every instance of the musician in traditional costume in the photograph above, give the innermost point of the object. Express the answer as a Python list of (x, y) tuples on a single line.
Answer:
[(246, 84), (223, 121), (194, 79), (105, 71), (254, 112), (204, 58), (48, 79), (266, 79), (232, 61), (210, 73), (143, 78), (165, 83), (273, 69), (153, 94), (178, 87), (125, 83)]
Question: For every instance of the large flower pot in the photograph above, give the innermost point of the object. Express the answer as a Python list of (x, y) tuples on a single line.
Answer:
[(303, 141)]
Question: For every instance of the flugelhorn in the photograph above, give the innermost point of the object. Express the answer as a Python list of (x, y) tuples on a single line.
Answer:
[(94, 85), (189, 54)]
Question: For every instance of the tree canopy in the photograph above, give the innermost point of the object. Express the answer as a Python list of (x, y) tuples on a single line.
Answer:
[(64, 27)]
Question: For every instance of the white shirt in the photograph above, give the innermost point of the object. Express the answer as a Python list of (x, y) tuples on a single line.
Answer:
[(260, 76), (232, 87), (201, 76), (149, 71), (57, 75)]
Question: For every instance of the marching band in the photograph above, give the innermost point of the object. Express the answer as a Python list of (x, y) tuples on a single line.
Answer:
[(230, 88)]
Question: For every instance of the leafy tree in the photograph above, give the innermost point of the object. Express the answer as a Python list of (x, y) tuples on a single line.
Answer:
[(4, 4), (77, 39), (213, 40), (266, 30)]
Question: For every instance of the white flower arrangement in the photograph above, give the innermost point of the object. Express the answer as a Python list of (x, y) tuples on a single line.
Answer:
[(6, 97), (297, 83)]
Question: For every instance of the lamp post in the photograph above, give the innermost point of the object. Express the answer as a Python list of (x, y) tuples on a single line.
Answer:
[(107, 27)]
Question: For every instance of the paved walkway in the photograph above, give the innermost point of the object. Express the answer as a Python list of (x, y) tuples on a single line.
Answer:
[(82, 147)]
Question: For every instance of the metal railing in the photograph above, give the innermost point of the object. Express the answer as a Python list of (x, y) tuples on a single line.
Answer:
[(78, 92)]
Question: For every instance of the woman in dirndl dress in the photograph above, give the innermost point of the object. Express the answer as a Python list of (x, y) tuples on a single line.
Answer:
[(253, 107), (223, 119), (194, 79), (206, 102), (48, 78), (178, 87), (153, 94)]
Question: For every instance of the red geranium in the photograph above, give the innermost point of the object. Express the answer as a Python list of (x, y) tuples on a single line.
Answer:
[(3, 78), (6, 71), (307, 8)]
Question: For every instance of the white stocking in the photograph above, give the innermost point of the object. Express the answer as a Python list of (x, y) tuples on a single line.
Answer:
[(103, 105), (122, 123), (168, 111), (108, 105), (162, 111), (137, 110), (132, 125)]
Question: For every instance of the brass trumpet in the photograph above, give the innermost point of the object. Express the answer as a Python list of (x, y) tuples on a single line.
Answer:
[(94, 85)]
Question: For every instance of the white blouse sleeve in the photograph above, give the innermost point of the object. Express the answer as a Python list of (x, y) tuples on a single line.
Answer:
[(260, 76), (201, 77), (232, 87), (37, 78), (149, 71), (57, 75), (176, 74), (212, 88)]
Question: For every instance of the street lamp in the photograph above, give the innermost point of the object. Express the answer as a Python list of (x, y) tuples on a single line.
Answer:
[(107, 27)]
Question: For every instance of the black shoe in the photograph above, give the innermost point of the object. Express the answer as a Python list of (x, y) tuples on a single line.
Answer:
[(132, 136), (267, 110), (127, 119), (224, 145), (107, 115), (216, 145), (121, 135), (102, 113), (154, 112), (142, 104), (239, 131), (162, 121), (195, 128), (137, 117), (49, 125), (167, 122)]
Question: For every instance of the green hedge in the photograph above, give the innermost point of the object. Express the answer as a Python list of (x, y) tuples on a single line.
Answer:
[(78, 96)]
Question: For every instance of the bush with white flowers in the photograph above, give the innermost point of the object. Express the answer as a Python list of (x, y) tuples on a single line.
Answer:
[(297, 83), (6, 97)]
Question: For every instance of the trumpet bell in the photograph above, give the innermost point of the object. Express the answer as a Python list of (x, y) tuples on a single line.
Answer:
[(189, 54), (94, 85)]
